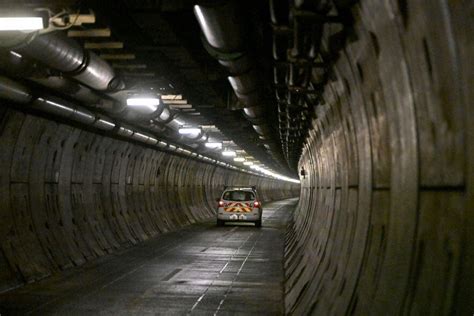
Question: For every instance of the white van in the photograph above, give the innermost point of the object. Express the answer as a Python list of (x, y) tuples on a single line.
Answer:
[(239, 204)]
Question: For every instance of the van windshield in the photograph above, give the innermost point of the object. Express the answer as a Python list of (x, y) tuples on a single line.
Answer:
[(238, 196)]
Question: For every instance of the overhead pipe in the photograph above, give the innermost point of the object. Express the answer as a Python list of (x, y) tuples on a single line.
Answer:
[(63, 54), (14, 65), (220, 24), (224, 39), (13, 91), (296, 44), (56, 51), (20, 94), (64, 109), (59, 52), (70, 88)]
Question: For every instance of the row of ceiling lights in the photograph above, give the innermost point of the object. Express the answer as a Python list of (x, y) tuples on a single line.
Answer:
[(36, 23), (227, 152)]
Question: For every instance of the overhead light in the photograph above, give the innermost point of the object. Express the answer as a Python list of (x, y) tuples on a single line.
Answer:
[(248, 163), (16, 54), (213, 145), (189, 130), (21, 23), (151, 104), (239, 159), (229, 153)]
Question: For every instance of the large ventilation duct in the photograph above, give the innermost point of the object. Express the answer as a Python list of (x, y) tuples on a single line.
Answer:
[(63, 54), (224, 39), (15, 66), (57, 51)]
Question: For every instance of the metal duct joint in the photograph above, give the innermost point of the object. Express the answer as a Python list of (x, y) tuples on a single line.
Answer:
[(142, 113), (57, 51), (237, 65), (244, 83), (166, 115)]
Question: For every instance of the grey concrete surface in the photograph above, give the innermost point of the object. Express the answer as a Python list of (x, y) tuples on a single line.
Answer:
[(69, 196), (385, 224), (199, 270)]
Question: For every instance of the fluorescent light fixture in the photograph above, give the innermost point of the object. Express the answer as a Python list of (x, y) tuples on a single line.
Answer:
[(15, 54), (239, 159), (149, 103), (213, 145), (21, 23), (248, 163), (143, 101), (229, 153), (189, 130)]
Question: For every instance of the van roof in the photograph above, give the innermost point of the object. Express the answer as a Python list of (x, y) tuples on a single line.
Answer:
[(244, 188), (239, 189)]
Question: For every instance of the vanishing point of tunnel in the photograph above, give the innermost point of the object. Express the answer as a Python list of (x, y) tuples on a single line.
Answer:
[(236, 157)]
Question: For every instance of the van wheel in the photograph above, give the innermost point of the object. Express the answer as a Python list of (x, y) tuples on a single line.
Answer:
[(220, 222), (258, 223)]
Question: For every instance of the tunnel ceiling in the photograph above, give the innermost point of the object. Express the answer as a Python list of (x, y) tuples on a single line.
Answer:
[(162, 51), (171, 46), (259, 89)]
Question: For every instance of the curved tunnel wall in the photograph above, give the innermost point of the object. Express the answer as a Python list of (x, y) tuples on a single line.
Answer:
[(385, 225), (69, 196)]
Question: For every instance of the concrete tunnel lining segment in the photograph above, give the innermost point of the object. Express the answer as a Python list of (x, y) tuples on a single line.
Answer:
[(384, 221), (71, 196)]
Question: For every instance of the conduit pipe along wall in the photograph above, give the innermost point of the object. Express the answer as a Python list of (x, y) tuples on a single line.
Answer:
[(69, 196), (222, 25), (56, 51), (385, 222), (62, 109)]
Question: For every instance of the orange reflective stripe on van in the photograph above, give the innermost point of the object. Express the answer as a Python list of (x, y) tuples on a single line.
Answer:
[(238, 207)]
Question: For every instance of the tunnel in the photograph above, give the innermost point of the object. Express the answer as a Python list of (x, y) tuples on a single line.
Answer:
[(122, 122)]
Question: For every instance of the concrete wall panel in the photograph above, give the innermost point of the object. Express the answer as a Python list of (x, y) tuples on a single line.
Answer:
[(68, 196), (384, 220)]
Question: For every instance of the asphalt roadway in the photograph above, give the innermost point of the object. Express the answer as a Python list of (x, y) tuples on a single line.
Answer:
[(199, 270)]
